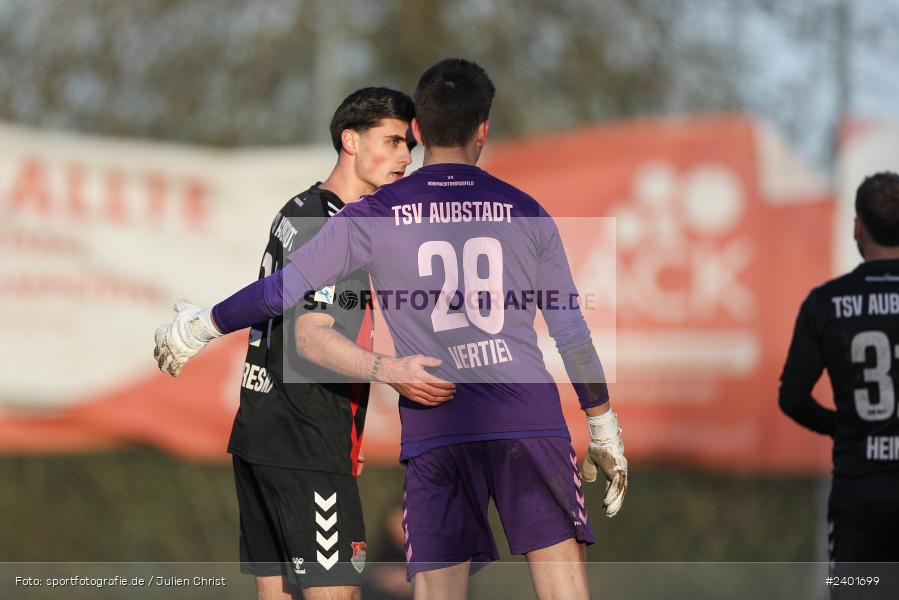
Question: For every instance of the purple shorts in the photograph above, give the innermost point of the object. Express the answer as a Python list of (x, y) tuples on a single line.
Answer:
[(533, 481)]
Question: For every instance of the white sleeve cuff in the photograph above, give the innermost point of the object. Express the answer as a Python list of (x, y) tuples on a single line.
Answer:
[(604, 428), (202, 327)]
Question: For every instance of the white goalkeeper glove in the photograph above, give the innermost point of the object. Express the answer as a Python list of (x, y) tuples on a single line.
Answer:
[(179, 340), (606, 455)]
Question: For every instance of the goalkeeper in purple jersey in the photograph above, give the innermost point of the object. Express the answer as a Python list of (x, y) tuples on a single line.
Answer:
[(453, 228)]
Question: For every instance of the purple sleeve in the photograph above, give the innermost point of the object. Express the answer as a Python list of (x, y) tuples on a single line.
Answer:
[(565, 322), (341, 247), (261, 300)]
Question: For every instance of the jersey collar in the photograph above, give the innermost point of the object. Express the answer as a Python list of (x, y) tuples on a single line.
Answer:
[(890, 265), (454, 167), (327, 197)]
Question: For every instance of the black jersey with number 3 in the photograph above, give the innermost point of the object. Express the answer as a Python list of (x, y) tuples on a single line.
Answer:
[(312, 421), (850, 326)]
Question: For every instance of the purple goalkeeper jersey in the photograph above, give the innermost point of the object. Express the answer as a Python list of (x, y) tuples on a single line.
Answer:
[(460, 261)]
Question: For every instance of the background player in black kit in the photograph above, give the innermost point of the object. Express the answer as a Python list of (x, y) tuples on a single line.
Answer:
[(296, 446), (850, 326)]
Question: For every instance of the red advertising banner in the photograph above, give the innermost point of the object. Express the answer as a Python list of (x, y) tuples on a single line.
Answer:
[(720, 234), (720, 231)]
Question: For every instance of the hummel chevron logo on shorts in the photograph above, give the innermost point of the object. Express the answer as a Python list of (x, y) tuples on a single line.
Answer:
[(582, 507), (326, 524)]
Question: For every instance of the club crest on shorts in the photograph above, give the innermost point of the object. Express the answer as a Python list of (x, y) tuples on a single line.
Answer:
[(358, 558)]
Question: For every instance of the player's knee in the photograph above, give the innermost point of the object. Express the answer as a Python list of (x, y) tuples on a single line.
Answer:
[(272, 588), (344, 592)]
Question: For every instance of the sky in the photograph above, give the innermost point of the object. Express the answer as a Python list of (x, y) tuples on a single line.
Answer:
[(795, 84)]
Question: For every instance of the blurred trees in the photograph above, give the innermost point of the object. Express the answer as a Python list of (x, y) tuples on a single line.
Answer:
[(232, 72)]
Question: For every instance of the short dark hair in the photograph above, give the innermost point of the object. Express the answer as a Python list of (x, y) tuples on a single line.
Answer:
[(452, 98), (364, 109), (877, 205)]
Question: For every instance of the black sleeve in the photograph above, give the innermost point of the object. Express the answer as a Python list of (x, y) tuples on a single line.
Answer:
[(805, 363)]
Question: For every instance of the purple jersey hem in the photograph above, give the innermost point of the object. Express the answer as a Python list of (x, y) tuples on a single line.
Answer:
[(413, 449)]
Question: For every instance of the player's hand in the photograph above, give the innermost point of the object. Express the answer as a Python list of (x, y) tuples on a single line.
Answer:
[(410, 378), (606, 455), (179, 340), (360, 464)]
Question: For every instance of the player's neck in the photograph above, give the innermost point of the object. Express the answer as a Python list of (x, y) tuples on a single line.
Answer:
[(344, 184), (882, 253), (464, 155)]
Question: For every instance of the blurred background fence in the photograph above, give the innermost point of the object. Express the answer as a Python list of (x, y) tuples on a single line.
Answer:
[(146, 146)]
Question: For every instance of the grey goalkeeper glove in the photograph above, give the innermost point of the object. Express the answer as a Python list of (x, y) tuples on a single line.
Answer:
[(179, 340), (606, 455)]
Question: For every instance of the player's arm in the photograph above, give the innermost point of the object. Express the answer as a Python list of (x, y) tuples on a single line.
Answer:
[(317, 341), (338, 249), (569, 330), (605, 454), (803, 368)]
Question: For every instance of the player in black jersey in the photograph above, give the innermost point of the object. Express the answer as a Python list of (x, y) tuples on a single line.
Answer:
[(297, 434), (850, 326)]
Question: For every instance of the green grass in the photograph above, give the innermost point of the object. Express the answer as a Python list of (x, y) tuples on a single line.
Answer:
[(145, 506)]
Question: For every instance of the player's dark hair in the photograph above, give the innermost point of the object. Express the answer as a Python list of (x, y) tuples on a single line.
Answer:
[(364, 109), (452, 98), (877, 205)]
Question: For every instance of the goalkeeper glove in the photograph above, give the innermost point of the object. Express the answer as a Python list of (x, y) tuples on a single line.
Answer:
[(606, 454), (179, 340)]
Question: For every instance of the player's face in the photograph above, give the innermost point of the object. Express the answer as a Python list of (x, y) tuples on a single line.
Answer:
[(383, 153)]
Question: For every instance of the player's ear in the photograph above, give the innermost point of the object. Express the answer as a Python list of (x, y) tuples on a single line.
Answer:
[(411, 140), (858, 230), (481, 134), (349, 139), (416, 131)]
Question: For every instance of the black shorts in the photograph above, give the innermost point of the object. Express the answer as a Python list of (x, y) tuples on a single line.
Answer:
[(863, 534), (304, 525)]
